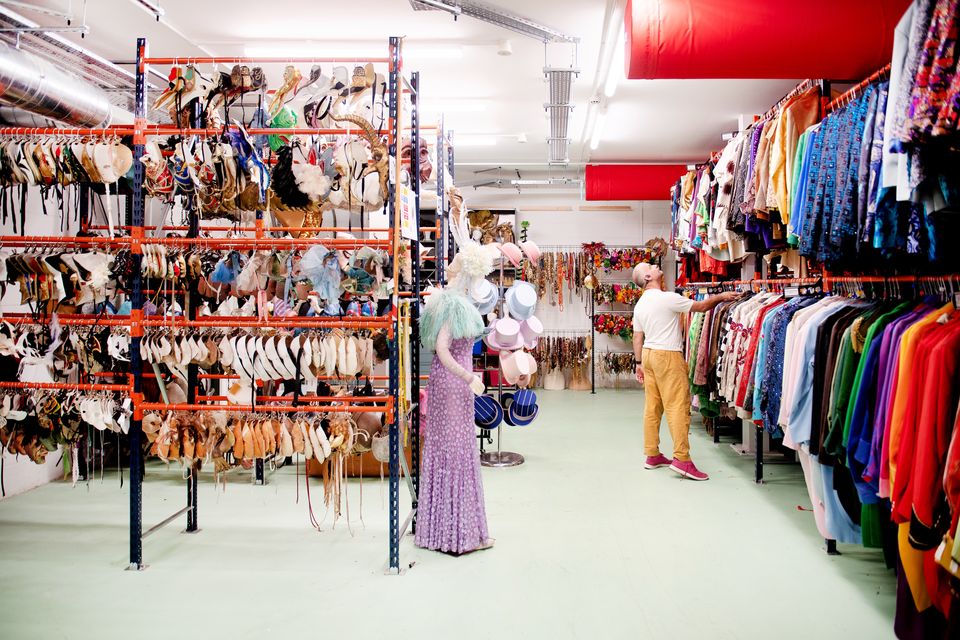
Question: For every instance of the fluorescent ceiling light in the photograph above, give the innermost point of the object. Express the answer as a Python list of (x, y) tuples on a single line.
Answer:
[(617, 62), (307, 50), (432, 52), (546, 182), (616, 23), (350, 50), (457, 105), (597, 130), (468, 140)]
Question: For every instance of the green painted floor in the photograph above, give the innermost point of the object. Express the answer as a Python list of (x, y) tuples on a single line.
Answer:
[(589, 545)]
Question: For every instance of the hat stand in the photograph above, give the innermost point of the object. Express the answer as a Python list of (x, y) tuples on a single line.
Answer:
[(501, 458)]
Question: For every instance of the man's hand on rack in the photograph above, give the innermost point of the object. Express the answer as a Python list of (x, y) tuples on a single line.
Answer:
[(730, 295), (639, 373)]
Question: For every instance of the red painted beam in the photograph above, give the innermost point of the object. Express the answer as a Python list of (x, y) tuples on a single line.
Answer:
[(784, 39), (631, 181)]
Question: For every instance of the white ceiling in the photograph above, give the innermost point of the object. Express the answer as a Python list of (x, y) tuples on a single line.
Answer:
[(647, 121)]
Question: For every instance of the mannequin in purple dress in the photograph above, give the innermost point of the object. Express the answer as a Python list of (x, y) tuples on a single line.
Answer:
[(451, 516)]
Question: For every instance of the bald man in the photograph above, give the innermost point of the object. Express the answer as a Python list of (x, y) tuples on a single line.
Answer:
[(661, 369)]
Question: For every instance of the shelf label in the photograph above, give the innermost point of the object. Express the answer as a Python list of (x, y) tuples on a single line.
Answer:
[(409, 209)]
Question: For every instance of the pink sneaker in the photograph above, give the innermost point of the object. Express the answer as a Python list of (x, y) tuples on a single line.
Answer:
[(657, 461), (688, 470)]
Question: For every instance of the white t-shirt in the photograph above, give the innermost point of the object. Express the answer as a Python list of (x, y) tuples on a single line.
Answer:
[(657, 315)]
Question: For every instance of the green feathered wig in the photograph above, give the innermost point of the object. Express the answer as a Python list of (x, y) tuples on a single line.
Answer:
[(453, 309)]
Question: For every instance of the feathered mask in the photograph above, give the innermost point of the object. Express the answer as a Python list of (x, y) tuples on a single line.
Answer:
[(473, 260)]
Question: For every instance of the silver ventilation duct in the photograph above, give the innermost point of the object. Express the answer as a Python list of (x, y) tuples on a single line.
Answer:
[(36, 85), (559, 79), (559, 108), (20, 118), (97, 73), (496, 16)]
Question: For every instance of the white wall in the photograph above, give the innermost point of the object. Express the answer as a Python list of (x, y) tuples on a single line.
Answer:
[(568, 220), (19, 472)]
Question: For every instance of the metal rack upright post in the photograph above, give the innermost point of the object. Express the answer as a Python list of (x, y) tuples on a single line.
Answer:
[(416, 297)]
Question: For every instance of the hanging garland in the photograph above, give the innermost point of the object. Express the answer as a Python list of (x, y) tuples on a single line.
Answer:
[(616, 259), (622, 293), (614, 325), (617, 364)]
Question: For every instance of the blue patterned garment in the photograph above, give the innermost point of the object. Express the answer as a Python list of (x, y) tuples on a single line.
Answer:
[(770, 395), (751, 402), (772, 328), (811, 152), (876, 163), (845, 212), (806, 229), (863, 173), (887, 222), (845, 150), (839, 212), (916, 228), (816, 227)]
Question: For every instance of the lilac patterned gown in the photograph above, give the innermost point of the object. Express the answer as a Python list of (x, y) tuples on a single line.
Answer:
[(451, 516)]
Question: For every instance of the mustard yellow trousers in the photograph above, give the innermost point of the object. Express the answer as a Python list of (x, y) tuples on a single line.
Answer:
[(667, 390)]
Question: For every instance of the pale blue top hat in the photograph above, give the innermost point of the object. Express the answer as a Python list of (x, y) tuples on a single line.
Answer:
[(521, 300), (485, 296)]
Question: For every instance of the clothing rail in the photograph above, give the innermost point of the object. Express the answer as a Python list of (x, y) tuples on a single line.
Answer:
[(951, 278), (300, 322), (579, 247), (108, 321), (61, 317), (230, 227), (797, 90), (263, 60), (26, 241), (772, 111), (66, 386), (262, 408), (845, 98), (346, 400), (227, 376), (270, 243), (759, 281), (171, 130), (47, 131)]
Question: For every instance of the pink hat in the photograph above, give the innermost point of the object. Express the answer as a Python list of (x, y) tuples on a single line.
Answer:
[(531, 250), (518, 367), (504, 335), (530, 330), (513, 253)]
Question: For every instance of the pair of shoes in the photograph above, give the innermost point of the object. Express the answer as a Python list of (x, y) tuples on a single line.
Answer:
[(688, 470), (657, 461)]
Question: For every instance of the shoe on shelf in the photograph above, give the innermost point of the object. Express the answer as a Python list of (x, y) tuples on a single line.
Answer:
[(688, 470), (657, 461)]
